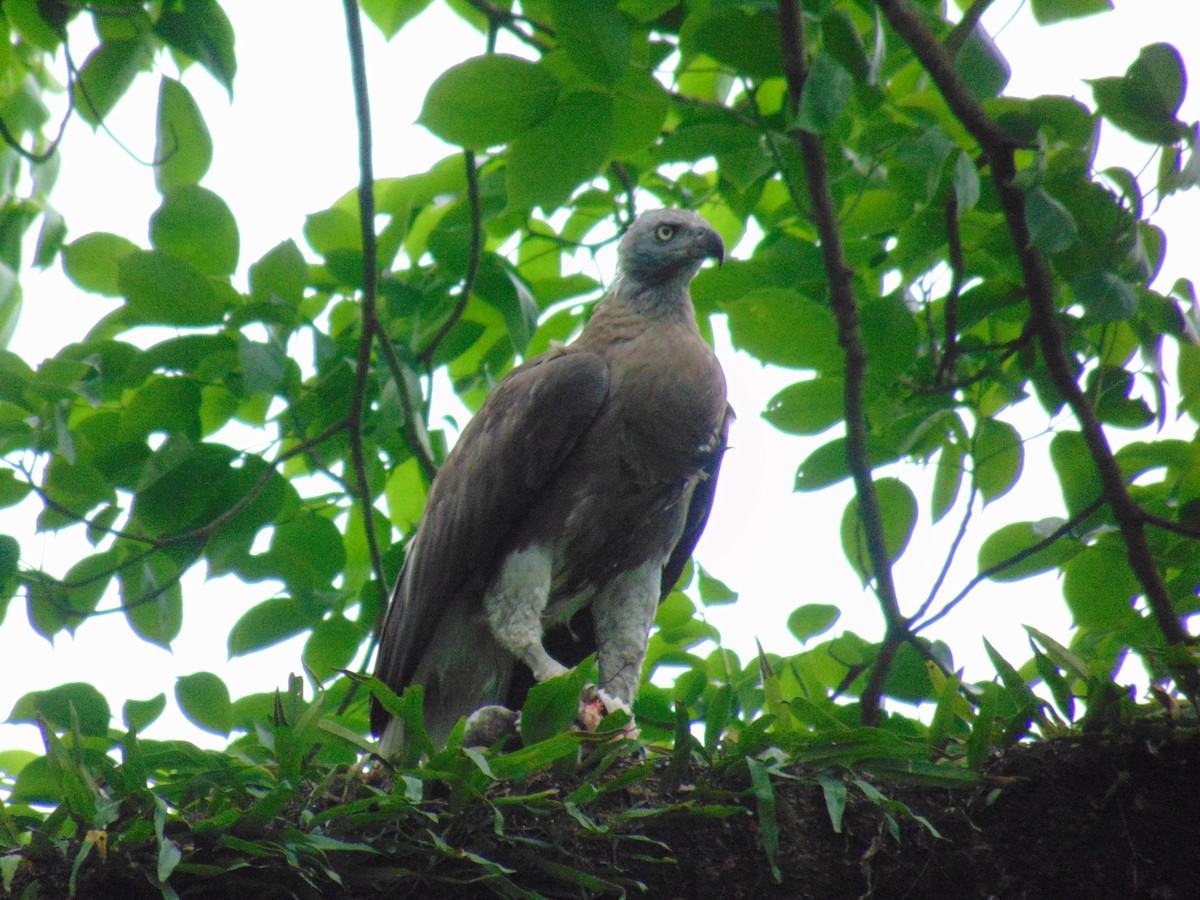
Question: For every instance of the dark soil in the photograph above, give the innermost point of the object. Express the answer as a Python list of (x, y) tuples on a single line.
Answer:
[(1092, 817)]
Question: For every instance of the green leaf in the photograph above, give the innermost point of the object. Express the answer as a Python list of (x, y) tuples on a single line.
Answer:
[(981, 65), (164, 290), (1105, 296), (139, 714), (812, 619), (488, 100), (1051, 226), (280, 276), (947, 479), (56, 704), (10, 559), (390, 16), (999, 458), (26, 17), (1077, 474), (93, 261), (11, 301), (183, 147), (1100, 587), (779, 326), (713, 591), (106, 75), (808, 407), (549, 161), (152, 599), (764, 795), (331, 646), (268, 623), (825, 95), (200, 29), (197, 226), (306, 552), (640, 106), (898, 510), (552, 706), (746, 41), (204, 699), (12, 489), (595, 36), (1017, 537), (1047, 12), (1156, 82)]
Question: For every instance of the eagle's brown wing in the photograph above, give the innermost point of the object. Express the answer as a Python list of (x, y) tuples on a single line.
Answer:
[(526, 428)]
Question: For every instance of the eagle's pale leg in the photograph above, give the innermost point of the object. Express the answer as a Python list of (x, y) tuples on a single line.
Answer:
[(623, 613), (515, 602)]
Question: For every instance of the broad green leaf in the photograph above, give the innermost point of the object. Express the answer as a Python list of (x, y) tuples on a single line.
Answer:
[(183, 147), (204, 699), (263, 365), (93, 261), (1105, 297), (55, 706), (828, 464), (11, 301), (12, 489), (1157, 82), (550, 160), (164, 290), (713, 591), (640, 105), (747, 41), (267, 624), (552, 706), (807, 407), (488, 100), (10, 558), (897, 509), (1077, 475), (981, 65), (280, 276), (812, 619), (390, 16), (1017, 537), (152, 599), (200, 29), (106, 75), (331, 646), (999, 458), (1047, 12), (139, 714), (1100, 588), (1051, 226), (197, 226), (826, 93), (845, 44), (780, 326), (306, 552), (947, 479), (595, 36), (27, 18)]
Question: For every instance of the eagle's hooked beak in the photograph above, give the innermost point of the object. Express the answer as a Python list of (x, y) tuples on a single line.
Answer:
[(713, 246)]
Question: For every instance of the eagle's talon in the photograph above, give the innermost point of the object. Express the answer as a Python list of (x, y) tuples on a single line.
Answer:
[(596, 704), (490, 724)]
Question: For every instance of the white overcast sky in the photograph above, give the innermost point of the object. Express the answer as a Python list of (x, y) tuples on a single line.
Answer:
[(286, 147)]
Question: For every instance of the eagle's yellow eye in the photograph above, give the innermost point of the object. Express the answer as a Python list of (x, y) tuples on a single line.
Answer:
[(665, 232)]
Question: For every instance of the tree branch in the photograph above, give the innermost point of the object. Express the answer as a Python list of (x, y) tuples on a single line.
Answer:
[(958, 36), (370, 323), (945, 369), (845, 311), (998, 147)]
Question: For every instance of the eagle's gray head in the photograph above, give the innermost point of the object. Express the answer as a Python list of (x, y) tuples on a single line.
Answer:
[(665, 247)]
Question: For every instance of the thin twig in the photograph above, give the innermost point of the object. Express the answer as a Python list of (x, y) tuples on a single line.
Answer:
[(845, 311), (999, 147), (945, 370), (958, 36), (1061, 531), (366, 217), (426, 354), (950, 555)]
